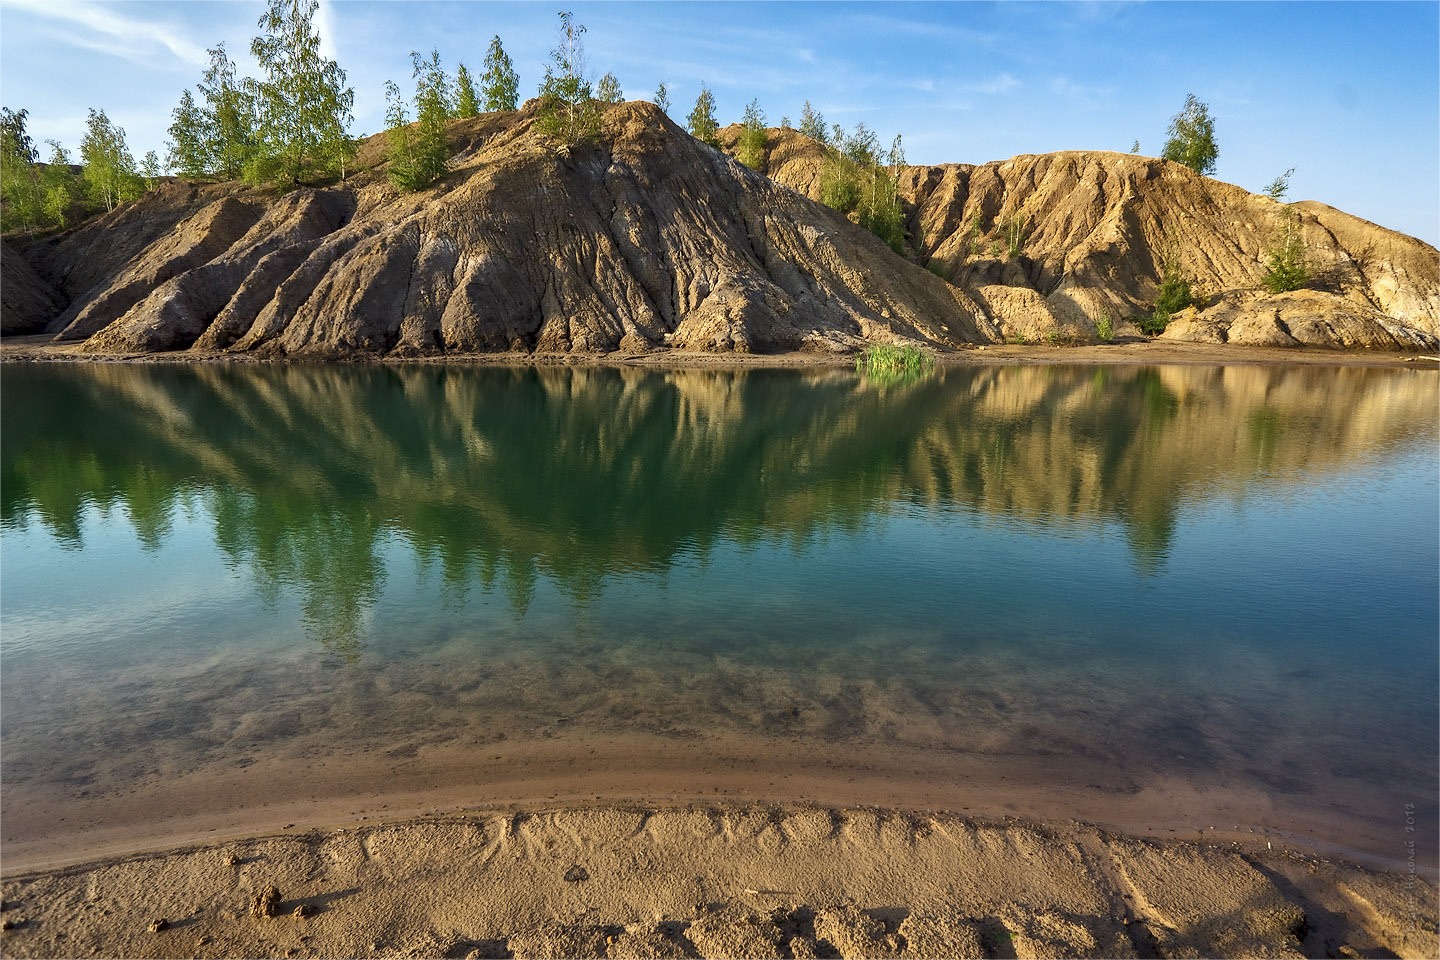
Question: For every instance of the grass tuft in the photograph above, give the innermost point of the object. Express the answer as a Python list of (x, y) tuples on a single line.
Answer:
[(888, 363)]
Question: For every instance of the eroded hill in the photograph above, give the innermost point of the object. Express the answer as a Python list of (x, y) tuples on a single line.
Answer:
[(1061, 240), (648, 239)]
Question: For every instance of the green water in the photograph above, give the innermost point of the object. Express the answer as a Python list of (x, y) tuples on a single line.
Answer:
[(1224, 577)]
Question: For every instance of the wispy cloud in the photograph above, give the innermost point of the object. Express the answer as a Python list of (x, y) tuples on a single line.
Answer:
[(105, 29), (1083, 94), (1001, 83)]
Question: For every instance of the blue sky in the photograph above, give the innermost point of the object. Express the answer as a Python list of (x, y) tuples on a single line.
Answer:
[(1346, 93)]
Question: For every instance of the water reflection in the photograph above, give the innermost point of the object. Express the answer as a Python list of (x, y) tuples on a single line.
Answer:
[(502, 476)]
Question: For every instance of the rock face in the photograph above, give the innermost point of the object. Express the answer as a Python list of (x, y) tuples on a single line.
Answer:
[(1061, 240), (647, 238)]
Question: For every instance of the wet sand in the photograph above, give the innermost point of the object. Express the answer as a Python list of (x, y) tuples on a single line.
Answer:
[(718, 879)]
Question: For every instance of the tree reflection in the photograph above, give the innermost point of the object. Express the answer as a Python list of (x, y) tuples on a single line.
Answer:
[(504, 476)]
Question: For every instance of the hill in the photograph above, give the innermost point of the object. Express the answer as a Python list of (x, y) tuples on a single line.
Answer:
[(649, 239), (1094, 228)]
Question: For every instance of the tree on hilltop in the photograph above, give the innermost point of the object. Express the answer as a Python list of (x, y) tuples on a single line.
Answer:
[(703, 125), (466, 103), (19, 180), (228, 116), (662, 98), (303, 104), (109, 168), (751, 148), (418, 155), (500, 84), (1192, 137), (569, 113), (812, 123), (189, 138), (608, 90)]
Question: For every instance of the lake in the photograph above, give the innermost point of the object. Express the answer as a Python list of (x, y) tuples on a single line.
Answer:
[(1179, 600)]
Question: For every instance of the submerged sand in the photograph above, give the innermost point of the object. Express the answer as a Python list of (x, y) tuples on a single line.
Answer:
[(726, 880)]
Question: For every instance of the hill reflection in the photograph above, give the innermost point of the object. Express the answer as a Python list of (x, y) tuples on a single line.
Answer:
[(505, 475)]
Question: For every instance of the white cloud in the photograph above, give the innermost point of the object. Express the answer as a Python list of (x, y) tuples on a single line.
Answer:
[(1003, 83), (103, 29)]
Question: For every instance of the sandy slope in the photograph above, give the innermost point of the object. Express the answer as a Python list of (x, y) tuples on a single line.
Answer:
[(720, 880)]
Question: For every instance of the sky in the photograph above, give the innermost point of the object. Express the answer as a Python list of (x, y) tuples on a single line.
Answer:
[(1348, 94)]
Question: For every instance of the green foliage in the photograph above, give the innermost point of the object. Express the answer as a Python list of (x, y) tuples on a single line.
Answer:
[(500, 85), (608, 90), (568, 113), (1135, 147), (1105, 328), (418, 154), (1192, 137), (1279, 186), (812, 124), (20, 185), (303, 105), (60, 190), (467, 105), (703, 126), (861, 182), (1013, 228), (109, 174), (889, 364), (189, 139), (662, 99), (228, 117), (1286, 265), (751, 148), (150, 169), (1172, 295), (402, 141)]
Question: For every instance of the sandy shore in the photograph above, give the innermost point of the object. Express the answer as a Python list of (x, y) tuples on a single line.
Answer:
[(719, 880), (1121, 350)]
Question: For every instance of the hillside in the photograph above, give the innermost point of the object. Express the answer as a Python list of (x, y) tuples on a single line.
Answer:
[(648, 239), (1096, 226)]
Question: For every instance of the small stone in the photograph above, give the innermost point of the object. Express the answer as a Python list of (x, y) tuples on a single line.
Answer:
[(8, 924), (305, 910), (159, 924), (577, 873), (266, 903), (232, 861)]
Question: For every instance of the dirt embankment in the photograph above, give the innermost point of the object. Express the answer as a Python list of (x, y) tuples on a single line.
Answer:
[(647, 239)]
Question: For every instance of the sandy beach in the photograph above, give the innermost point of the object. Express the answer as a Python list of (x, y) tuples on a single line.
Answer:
[(726, 879)]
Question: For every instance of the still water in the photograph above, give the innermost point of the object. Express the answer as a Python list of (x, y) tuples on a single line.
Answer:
[(1106, 583)]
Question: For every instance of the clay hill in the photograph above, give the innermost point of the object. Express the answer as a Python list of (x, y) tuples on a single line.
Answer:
[(648, 239)]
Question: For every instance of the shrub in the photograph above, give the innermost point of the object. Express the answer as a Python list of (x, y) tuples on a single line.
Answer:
[(1105, 328), (1286, 267), (888, 363), (1173, 295)]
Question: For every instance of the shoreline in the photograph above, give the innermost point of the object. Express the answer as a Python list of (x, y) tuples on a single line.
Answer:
[(1130, 350), (726, 878), (53, 824)]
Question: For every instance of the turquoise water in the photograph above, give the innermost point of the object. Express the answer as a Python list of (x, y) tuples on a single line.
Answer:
[(1224, 578)]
